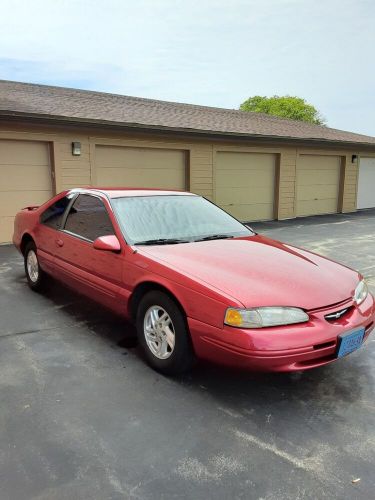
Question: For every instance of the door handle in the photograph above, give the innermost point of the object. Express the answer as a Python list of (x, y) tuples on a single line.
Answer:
[(59, 243)]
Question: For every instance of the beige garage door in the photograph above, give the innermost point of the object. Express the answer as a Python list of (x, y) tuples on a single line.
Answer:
[(25, 179), (245, 184), (140, 167), (318, 181)]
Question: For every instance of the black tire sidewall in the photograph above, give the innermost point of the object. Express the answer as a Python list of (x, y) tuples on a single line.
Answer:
[(182, 356), (34, 285)]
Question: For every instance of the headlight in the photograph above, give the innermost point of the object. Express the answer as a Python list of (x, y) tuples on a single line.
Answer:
[(360, 292), (261, 317)]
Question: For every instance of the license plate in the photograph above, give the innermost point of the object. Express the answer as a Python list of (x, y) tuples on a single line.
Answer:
[(349, 342)]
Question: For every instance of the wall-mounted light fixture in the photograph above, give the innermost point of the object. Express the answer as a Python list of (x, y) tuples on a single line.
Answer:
[(76, 148), (355, 159)]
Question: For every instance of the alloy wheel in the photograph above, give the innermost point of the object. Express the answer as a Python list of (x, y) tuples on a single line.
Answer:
[(159, 332)]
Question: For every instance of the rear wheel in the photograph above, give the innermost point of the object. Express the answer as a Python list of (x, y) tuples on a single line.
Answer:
[(35, 275), (163, 334)]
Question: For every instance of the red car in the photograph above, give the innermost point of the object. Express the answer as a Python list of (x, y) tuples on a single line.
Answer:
[(196, 282)]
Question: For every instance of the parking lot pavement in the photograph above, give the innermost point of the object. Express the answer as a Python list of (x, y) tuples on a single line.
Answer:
[(82, 417)]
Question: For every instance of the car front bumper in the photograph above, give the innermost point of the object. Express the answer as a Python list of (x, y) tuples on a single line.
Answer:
[(285, 348)]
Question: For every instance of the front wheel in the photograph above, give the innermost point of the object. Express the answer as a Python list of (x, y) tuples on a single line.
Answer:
[(34, 274), (163, 334)]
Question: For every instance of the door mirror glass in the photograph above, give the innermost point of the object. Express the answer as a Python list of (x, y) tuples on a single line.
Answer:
[(109, 243)]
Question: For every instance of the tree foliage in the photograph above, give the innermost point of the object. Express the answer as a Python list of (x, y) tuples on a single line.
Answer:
[(294, 108)]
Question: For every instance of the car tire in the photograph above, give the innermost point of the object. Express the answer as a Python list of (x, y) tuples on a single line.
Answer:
[(163, 334), (36, 277)]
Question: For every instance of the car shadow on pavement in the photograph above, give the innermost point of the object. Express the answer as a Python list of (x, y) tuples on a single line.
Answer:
[(330, 385), (95, 317), (240, 387)]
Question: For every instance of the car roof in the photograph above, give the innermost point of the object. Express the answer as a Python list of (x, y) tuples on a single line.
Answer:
[(120, 192)]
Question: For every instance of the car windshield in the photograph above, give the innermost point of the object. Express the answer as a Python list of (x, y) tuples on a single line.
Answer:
[(169, 219)]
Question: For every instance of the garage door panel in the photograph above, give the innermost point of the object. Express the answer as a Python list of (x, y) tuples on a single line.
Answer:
[(316, 207), (366, 183), (320, 163), (309, 177), (241, 196), (318, 180), (6, 229), (310, 192), (132, 177), (23, 153), (137, 167), (236, 178), (257, 211), (12, 201), (245, 184), (244, 161), (151, 158), (166, 162), (308, 161), (24, 177)]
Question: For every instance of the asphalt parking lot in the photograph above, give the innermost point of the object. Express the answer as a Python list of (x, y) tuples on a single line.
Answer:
[(82, 417)]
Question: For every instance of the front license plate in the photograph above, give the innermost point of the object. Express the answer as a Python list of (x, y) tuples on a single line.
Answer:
[(349, 342)]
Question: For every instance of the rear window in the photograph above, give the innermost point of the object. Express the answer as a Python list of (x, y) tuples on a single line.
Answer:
[(53, 216)]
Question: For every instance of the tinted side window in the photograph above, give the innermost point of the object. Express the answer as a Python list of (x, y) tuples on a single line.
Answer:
[(88, 218), (52, 217)]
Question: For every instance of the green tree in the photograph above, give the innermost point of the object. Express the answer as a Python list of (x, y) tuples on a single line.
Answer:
[(287, 106)]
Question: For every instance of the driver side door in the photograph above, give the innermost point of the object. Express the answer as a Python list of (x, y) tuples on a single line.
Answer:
[(95, 273)]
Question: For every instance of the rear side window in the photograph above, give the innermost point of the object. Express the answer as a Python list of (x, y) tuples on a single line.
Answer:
[(52, 217), (88, 218)]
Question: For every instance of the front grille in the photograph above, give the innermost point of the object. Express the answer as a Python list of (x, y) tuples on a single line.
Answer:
[(336, 315)]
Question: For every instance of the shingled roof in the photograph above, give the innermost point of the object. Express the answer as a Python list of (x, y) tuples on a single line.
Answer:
[(87, 107)]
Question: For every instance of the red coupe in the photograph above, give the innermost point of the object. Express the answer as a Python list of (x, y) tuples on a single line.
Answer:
[(196, 282)]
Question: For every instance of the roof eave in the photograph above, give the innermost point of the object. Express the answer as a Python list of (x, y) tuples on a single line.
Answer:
[(234, 136)]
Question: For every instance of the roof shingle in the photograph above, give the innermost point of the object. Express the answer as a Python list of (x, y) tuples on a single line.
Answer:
[(98, 107)]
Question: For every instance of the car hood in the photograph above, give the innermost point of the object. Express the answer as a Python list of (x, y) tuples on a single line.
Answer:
[(258, 271)]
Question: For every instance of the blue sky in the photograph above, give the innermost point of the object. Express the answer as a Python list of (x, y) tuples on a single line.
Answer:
[(212, 52)]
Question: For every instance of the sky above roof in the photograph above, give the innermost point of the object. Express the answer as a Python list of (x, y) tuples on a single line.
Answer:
[(210, 52)]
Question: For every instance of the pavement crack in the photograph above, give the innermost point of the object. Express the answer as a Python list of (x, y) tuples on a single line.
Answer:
[(26, 332), (307, 464), (76, 324)]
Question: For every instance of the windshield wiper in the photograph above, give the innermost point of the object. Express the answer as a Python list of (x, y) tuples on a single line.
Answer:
[(215, 237), (161, 241)]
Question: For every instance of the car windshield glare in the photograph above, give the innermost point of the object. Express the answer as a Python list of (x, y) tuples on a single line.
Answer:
[(178, 218)]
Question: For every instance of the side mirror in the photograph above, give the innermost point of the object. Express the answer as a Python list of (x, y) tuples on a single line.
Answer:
[(108, 243)]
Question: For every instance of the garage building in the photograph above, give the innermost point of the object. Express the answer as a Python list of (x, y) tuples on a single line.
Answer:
[(255, 166)]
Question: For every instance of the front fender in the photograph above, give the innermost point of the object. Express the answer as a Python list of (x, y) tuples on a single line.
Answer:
[(196, 304)]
